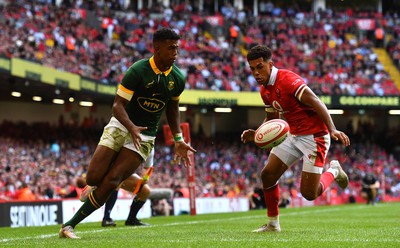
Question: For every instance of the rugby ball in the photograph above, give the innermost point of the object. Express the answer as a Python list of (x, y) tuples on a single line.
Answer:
[(271, 133)]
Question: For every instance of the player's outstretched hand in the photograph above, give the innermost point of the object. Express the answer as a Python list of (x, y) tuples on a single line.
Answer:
[(182, 152), (247, 135), (340, 136)]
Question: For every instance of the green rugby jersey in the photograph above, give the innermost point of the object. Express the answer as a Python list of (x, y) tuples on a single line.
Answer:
[(149, 90)]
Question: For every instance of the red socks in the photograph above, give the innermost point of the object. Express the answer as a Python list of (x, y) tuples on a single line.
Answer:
[(272, 196), (326, 179)]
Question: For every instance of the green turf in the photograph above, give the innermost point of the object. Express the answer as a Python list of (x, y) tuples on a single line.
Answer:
[(328, 226)]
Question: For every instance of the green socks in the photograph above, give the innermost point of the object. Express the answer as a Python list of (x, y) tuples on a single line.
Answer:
[(88, 207)]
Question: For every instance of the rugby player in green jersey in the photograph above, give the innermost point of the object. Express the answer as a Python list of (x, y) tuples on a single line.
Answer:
[(149, 87)]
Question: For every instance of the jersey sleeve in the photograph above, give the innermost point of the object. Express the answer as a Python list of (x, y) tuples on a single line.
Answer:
[(129, 82), (181, 81), (297, 85)]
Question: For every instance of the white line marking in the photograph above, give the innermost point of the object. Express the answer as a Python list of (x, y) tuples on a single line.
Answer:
[(331, 209)]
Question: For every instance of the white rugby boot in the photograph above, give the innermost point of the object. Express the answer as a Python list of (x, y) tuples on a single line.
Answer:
[(342, 179), (268, 228)]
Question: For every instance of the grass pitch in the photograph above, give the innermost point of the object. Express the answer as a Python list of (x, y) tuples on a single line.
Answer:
[(327, 226)]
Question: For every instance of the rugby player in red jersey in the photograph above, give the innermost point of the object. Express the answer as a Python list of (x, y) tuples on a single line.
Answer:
[(311, 129)]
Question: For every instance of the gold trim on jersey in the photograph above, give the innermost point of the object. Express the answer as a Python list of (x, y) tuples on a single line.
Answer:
[(124, 92), (299, 92), (156, 70)]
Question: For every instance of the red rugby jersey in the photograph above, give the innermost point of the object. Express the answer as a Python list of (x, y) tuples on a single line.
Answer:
[(281, 92)]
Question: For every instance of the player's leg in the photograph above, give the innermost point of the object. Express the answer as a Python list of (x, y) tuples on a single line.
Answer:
[(311, 187), (130, 185), (99, 165), (107, 221), (278, 161), (111, 142), (131, 182), (142, 195), (138, 202), (313, 181), (270, 175), (315, 150), (125, 164)]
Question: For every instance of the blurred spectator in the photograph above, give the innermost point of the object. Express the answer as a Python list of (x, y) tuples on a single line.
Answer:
[(284, 201), (256, 199), (161, 207), (379, 37), (24, 193), (75, 191), (370, 186)]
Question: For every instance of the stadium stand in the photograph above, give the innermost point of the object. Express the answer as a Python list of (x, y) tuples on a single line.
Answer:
[(50, 159), (105, 41)]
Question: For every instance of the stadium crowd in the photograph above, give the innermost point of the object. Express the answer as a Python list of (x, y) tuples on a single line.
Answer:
[(41, 161), (101, 39), (393, 48)]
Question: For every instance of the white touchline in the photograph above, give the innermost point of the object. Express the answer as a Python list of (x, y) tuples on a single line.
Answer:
[(173, 224)]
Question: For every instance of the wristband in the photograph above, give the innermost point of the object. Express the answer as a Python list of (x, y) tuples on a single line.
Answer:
[(178, 137)]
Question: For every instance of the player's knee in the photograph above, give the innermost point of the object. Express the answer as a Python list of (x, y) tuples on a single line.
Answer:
[(268, 180), (144, 192), (146, 189), (92, 179), (264, 175), (309, 195), (113, 180)]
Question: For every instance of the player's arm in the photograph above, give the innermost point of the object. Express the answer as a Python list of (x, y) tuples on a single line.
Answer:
[(122, 98), (181, 148), (270, 113), (307, 97), (173, 116)]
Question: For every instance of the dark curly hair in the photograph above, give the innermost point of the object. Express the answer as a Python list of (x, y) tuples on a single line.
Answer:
[(165, 34), (259, 51)]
